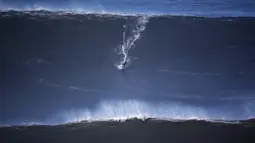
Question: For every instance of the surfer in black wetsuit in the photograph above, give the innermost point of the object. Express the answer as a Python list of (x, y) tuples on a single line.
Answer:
[(124, 64)]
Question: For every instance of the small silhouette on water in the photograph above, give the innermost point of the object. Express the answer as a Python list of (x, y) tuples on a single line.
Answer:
[(124, 66)]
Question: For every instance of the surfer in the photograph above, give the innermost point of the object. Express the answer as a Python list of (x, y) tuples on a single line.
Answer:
[(124, 65)]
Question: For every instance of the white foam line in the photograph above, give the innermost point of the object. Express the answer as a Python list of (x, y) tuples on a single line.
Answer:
[(212, 14), (36, 61), (76, 88), (189, 73)]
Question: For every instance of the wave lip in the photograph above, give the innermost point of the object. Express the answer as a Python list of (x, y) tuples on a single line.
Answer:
[(48, 11)]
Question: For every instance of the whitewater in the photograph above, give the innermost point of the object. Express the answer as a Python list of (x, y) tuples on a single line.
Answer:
[(122, 110), (216, 8)]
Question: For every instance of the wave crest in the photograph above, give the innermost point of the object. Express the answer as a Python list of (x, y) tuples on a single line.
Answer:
[(122, 110), (127, 109)]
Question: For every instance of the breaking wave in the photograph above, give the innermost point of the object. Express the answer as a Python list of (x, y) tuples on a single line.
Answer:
[(149, 8), (126, 109), (38, 11), (122, 110)]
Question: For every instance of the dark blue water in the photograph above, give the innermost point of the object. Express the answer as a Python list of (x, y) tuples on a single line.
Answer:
[(133, 130), (58, 68)]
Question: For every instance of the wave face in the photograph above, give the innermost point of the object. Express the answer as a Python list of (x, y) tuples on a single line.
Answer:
[(209, 8), (61, 67)]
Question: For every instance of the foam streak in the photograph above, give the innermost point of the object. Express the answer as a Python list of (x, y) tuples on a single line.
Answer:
[(129, 41)]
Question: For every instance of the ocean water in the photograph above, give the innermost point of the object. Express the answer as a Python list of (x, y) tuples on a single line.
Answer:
[(67, 67), (127, 71), (133, 130)]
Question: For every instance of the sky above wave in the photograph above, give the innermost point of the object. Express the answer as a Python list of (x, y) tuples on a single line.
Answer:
[(180, 7)]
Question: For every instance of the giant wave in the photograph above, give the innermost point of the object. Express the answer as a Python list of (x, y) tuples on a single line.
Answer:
[(141, 109)]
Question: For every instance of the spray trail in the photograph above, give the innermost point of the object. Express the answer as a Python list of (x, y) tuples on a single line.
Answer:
[(129, 41)]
